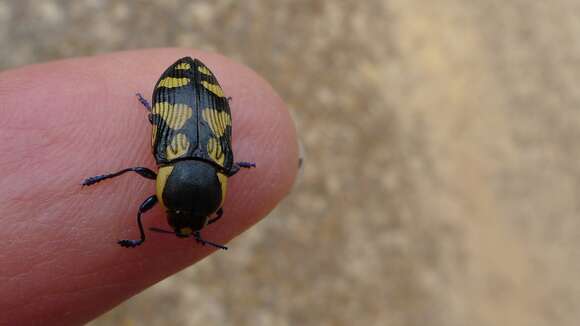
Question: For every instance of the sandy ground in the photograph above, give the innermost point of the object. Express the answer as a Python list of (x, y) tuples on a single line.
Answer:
[(442, 178)]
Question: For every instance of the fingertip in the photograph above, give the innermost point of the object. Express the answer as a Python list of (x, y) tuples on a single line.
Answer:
[(78, 118)]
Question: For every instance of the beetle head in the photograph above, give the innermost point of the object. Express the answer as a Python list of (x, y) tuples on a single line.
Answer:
[(184, 223)]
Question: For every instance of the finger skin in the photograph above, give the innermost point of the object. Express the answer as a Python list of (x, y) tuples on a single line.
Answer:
[(68, 120)]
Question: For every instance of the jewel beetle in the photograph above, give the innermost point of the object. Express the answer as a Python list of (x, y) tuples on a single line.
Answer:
[(192, 145)]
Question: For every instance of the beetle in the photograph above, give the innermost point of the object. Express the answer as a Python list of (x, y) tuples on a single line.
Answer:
[(192, 145)]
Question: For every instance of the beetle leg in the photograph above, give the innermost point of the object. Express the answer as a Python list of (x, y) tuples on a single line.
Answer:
[(143, 101), (219, 214), (246, 165), (145, 206), (161, 230), (144, 172), (197, 236), (238, 165), (146, 105)]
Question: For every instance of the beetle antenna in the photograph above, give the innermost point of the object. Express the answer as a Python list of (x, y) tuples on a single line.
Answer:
[(198, 238), (161, 230)]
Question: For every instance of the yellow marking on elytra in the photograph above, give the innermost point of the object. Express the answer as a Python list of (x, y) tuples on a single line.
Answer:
[(216, 89), (153, 135), (223, 180), (172, 82), (214, 150), (204, 70), (162, 176), (175, 115), (178, 146), (183, 66), (217, 121)]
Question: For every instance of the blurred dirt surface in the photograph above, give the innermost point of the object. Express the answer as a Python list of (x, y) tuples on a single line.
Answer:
[(442, 178)]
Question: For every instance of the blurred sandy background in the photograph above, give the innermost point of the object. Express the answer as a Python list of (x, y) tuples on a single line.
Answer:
[(442, 179)]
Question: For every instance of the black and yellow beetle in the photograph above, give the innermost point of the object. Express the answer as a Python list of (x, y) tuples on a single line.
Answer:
[(191, 140)]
